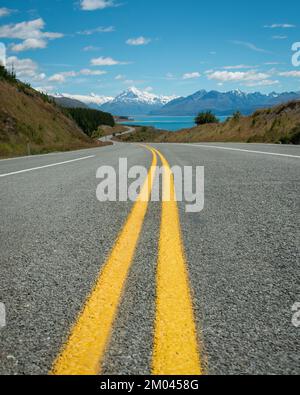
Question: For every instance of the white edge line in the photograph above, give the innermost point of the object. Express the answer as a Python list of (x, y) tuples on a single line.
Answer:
[(84, 150), (238, 149), (46, 166)]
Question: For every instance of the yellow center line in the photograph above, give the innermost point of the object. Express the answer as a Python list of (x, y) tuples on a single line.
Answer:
[(176, 349), (84, 350)]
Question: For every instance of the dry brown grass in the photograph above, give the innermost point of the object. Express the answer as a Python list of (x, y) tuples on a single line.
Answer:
[(279, 124), (105, 130), (26, 118)]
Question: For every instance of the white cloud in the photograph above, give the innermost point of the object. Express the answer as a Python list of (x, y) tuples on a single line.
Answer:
[(62, 77), (23, 30), (5, 11), (91, 48), (91, 5), (30, 43), (99, 29), (251, 46), (103, 61), (120, 77), (138, 41), (227, 76), (45, 89), (148, 89), (25, 68), (280, 26), (273, 63), (239, 67), (89, 99), (293, 74), (92, 72), (280, 37), (262, 83), (170, 76), (57, 78), (2, 55), (30, 32), (190, 76)]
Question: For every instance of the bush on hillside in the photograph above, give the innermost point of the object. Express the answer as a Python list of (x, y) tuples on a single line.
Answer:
[(6, 75), (89, 120), (295, 139), (205, 118), (236, 116)]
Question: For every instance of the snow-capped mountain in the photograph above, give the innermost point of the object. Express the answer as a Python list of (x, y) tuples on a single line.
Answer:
[(135, 102), (224, 103), (92, 100)]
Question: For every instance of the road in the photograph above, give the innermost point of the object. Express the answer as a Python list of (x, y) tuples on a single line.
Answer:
[(214, 290), (109, 138)]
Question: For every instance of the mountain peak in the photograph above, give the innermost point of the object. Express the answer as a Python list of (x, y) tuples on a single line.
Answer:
[(133, 94), (225, 103)]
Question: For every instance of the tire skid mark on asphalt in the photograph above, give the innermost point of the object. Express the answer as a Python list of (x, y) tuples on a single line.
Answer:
[(85, 348)]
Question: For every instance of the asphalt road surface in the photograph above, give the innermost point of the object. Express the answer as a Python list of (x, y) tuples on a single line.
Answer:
[(122, 287)]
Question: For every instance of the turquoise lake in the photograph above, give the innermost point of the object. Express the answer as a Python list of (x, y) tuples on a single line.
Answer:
[(165, 123)]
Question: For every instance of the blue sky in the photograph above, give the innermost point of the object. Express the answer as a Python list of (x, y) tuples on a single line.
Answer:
[(163, 46)]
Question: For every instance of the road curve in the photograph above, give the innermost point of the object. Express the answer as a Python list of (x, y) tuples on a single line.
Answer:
[(109, 138), (241, 259)]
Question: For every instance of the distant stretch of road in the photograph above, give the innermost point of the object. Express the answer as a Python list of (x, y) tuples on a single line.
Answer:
[(105, 139), (140, 288)]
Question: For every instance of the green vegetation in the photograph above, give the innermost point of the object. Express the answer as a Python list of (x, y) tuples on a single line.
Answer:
[(237, 116), (6, 75), (279, 125), (89, 120), (293, 138), (205, 118), (23, 87), (145, 134), (31, 122)]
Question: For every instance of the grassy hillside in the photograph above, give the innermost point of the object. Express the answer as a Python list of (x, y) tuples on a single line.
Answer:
[(280, 124), (68, 103), (28, 117)]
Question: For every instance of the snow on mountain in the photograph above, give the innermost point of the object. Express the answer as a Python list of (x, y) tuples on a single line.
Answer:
[(135, 95), (135, 102), (92, 100), (224, 103), (130, 102)]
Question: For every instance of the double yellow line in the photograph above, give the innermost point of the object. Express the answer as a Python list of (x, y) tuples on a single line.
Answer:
[(175, 340)]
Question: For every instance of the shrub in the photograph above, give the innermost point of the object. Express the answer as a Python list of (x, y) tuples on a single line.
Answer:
[(6, 75), (205, 118), (295, 139), (236, 116)]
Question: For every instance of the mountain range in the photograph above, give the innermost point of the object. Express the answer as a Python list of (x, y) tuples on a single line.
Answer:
[(135, 102), (130, 102), (91, 101), (225, 103)]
